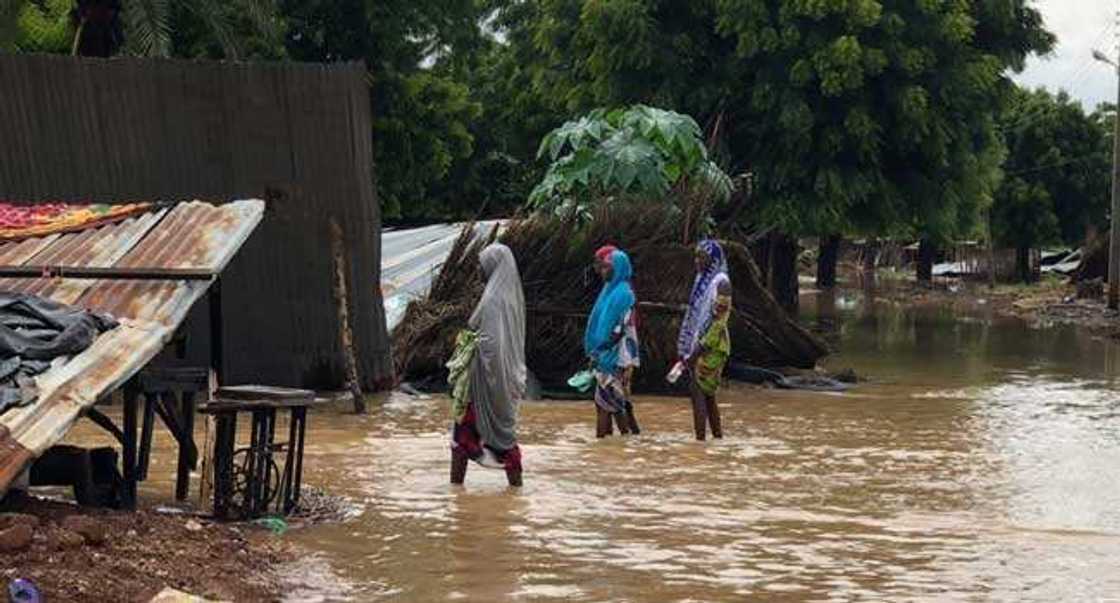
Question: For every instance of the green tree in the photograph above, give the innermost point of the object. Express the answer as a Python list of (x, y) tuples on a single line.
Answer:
[(157, 28), (851, 115), (36, 27), (1023, 217), (423, 111), (1056, 186)]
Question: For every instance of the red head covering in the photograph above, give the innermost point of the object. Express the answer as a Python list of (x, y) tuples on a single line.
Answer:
[(604, 252)]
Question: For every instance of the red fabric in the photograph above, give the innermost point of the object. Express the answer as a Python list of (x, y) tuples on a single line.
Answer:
[(469, 441), (604, 252), (22, 216)]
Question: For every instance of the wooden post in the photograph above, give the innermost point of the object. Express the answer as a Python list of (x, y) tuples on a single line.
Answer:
[(342, 300), (217, 332), (187, 460), (1114, 231), (146, 430), (128, 454)]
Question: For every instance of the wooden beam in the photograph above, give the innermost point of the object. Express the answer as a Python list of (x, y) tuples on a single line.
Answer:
[(101, 420), (91, 272)]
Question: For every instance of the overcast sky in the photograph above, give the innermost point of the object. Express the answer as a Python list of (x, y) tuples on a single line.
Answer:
[(1080, 25)]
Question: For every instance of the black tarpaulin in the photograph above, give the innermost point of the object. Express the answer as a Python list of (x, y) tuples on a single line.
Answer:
[(33, 332)]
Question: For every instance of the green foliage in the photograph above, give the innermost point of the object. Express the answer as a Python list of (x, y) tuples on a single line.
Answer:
[(230, 29), (639, 152), (1023, 216), (1057, 172), (43, 27), (874, 116), (417, 52)]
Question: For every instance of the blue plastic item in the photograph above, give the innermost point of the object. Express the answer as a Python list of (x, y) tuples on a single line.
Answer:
[(23, 591)]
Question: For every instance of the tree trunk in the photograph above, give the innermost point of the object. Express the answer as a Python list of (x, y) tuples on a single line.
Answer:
[(871, 255), (827, 256), (783, 270), (927, 255), (1023, 264), (345, 332)]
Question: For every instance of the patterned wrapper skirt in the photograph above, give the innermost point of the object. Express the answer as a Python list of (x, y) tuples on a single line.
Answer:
[(610, 395), (466, 439)]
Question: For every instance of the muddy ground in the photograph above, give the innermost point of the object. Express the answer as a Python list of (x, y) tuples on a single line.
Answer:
[(78, 555)]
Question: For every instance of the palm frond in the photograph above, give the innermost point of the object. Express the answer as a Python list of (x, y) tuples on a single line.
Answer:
[(264, 15), (148, 24), (217, 19)]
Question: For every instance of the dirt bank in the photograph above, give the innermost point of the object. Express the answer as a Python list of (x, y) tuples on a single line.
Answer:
[(78, 555), (1051, 301)]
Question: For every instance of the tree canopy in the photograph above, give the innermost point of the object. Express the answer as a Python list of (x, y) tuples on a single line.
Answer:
[(1056, 177), (850, 115), (877, 117)]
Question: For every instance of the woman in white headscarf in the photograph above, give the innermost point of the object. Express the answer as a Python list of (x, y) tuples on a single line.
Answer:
[(488, 372)]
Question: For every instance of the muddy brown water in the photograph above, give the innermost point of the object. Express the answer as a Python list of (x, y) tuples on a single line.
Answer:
[(981, 463)]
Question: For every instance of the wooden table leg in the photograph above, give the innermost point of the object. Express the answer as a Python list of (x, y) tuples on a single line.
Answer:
[(267, 439), (146, 430), (287, 502), (188, 457), (299, 413), (128, 454), (224, 438)]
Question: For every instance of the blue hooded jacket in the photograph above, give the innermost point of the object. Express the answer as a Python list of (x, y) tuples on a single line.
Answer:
[(615, 299)]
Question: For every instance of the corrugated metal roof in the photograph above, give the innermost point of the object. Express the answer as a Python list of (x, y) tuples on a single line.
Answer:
[(189, 235), (410, 258)]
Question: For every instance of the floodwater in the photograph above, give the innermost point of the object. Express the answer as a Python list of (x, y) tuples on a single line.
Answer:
[(981, 463)]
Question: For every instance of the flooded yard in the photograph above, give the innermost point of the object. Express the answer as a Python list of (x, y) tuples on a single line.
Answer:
[(982, 462)]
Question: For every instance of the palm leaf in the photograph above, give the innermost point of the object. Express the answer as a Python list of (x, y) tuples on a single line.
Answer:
[(264, 16), (213, 14), (148, 25)]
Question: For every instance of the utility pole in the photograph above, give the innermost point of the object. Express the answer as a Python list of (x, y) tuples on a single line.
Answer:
[(1114, 229)]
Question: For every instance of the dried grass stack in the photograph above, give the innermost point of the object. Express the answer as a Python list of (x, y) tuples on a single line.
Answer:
[(554, 256)]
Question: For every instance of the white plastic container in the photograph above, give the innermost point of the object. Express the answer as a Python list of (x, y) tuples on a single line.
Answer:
[(675, 372)]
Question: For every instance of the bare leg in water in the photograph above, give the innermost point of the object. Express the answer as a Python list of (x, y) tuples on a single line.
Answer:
[(632, 421), (603, 422), (459, 463), (713, 417), (620, 419), (705, 411), (514, 477)]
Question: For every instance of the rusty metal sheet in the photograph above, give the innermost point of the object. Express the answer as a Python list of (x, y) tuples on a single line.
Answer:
[(189, 235)]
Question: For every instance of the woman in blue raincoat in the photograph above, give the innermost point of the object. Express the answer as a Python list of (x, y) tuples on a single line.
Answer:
[(611, 343)]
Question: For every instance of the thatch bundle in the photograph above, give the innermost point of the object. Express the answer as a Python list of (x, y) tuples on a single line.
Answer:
[(555, 257)]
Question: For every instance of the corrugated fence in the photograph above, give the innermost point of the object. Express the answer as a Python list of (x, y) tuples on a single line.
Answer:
[(297, 135)]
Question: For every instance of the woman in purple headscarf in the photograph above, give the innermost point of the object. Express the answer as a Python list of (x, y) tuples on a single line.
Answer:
[(704, 343)]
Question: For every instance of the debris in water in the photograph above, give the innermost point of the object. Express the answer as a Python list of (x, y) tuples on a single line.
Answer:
[(276, 524), (170, 595), (316, 507)]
